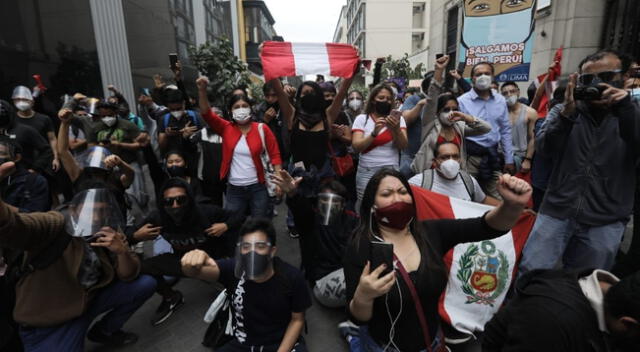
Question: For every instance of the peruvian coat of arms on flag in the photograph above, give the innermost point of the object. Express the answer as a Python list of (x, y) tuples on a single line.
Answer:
[(480, 273)]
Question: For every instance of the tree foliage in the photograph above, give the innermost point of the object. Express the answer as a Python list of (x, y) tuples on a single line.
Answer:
[(225, 70)]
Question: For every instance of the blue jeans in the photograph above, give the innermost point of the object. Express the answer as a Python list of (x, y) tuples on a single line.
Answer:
[(253, 197), (577, 246), (365, 343), (122, 299)]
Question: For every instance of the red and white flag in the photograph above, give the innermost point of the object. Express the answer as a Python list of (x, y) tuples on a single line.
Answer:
[(550, 85), (285, 59), (480, 273)]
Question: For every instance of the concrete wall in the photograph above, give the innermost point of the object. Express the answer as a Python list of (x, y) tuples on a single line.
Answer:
[(388, 28)]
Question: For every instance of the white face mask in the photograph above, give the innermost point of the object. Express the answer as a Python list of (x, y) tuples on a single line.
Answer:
[(444, 118), (23, 105), (109, 120), (241, 115), (512, 100), (177, 114), (355, 104), (449, 169), (483, 82)]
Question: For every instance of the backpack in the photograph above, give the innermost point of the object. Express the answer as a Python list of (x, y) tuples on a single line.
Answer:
[(428, 175), (192, 116)]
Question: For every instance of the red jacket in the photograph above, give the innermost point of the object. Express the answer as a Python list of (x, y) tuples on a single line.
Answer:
[(231, 135)]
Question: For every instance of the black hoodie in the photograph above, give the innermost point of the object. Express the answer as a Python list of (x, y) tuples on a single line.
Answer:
[(190, 233), (36, 151)]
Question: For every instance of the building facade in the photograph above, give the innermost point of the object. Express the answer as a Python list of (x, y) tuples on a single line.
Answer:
[(379, 28), (580, 27), (84, 45), (258, 28)]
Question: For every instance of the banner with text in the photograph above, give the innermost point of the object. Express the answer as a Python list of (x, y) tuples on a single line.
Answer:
[(500, 32)]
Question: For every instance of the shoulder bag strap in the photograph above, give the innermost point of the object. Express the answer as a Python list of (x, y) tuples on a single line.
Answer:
[(417, 303)]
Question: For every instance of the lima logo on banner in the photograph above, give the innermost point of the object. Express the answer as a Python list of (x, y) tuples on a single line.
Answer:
[(500, 32)]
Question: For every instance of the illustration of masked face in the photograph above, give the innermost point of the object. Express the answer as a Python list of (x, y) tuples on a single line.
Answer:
[(497, 21)]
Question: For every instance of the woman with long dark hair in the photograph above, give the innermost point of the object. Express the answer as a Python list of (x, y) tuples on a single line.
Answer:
[(379, 136), (384, 302), (242, 146)]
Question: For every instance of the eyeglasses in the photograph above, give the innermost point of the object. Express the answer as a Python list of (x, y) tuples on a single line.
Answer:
[(181, 200), (603, 77), (260, 245), (450, 109)]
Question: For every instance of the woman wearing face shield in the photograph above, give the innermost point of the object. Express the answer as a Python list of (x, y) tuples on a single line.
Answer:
[(385, 302), (242, 147), (325, 227), (268, 296), (442, 121)]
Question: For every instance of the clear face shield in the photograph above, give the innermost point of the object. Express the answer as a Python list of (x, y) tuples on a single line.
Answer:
[(330, 207), (94, 158), (91, 210), (253, 259)]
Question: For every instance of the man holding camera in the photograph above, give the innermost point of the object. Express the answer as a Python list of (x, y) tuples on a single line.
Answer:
[(594, 142)]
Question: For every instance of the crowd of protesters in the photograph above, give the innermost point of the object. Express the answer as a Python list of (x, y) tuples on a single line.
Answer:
[(107, 202)]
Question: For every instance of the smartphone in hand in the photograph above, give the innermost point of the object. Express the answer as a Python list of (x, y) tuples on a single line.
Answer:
[(173, 60), (381, 253)]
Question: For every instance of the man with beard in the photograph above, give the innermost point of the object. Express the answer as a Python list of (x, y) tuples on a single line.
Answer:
[(186, 225), (594, 142)]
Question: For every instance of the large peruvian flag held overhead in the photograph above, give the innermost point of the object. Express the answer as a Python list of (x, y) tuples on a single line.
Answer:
[(285, 59), (480, 273)]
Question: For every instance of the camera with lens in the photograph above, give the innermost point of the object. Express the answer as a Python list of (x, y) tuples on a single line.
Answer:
[(588, 92)]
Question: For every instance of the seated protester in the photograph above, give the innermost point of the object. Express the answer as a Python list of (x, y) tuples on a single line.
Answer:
[(177, 125), (442, 121), (384, 302), (36, 152), (186, 225), (325, 229), (98, 163), (114, 133), (209, 146), (565, 311), (83, 268), (447, 178), (23, 101), (175, 165), (268, 296), (25, 191), (242, 147)]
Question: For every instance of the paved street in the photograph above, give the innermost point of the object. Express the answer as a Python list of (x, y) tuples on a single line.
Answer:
[(185, 329)]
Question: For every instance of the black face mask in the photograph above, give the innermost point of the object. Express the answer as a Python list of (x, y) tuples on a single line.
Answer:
[(310, 103), (177, 171), (255, 264), (383, 108), (274, 106), (327, 103), (177, 214)]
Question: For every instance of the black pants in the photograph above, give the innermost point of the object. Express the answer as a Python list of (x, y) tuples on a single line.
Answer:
[(167, 264), (235, 346)]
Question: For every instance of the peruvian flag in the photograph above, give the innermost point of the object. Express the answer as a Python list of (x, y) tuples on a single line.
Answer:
[(284, 59), (480, 273), (550, 85)]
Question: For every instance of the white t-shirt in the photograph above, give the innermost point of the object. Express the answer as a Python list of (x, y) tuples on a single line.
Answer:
[(382, 155), (243, 170), (453, 188)]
